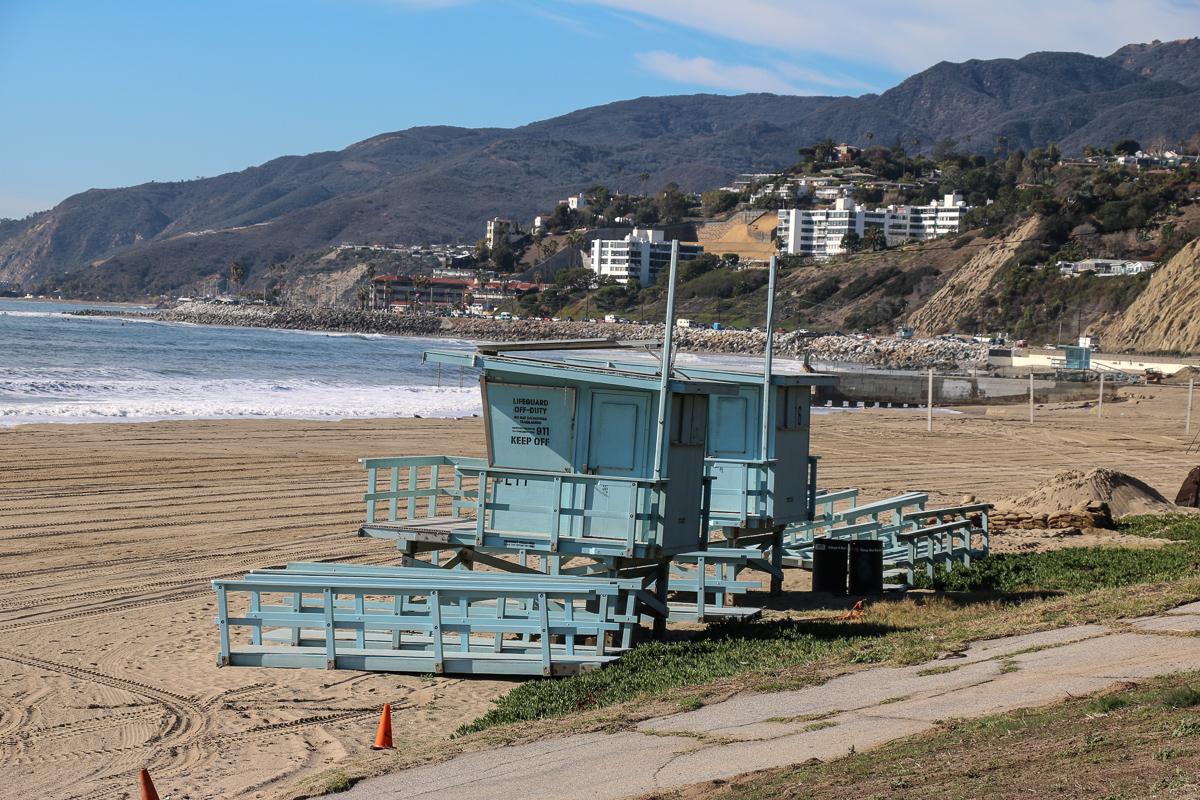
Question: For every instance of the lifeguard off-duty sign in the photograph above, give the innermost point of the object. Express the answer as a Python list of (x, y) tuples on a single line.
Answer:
[(530, 427)]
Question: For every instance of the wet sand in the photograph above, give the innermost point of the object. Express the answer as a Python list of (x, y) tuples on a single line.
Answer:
[(110, 534)]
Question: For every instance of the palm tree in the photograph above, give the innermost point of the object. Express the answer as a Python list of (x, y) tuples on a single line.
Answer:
[(644, 177), (575, 240), (823, 151), (237, 274)]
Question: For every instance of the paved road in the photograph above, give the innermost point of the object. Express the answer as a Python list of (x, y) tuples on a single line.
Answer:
[(861, 710)]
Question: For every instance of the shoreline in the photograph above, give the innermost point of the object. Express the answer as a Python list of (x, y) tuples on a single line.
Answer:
[(885, 353)]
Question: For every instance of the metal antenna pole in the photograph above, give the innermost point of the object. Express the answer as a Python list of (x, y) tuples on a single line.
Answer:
[(664, 383), (767, 356)]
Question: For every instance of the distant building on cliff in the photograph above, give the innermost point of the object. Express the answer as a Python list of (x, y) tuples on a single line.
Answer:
[(642, 255), (1104, 267), (498, 227)]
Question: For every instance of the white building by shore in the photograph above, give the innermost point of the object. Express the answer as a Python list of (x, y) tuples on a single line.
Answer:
[(819, 232), (641, 254)]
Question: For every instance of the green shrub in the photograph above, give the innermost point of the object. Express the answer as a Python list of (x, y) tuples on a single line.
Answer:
[(724, 283)]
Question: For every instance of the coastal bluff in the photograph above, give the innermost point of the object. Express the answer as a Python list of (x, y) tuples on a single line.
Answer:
[(886, 353)]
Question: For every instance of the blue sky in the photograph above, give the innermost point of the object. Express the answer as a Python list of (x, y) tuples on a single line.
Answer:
[(103, 93)]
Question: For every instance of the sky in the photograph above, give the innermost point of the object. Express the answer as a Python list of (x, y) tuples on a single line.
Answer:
[(107, 93)]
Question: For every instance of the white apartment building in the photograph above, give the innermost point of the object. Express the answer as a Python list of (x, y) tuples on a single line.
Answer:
[(641, 254), (819, 232)]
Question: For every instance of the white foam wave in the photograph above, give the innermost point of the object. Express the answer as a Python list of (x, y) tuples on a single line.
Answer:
[(136, 402), (7, 313)]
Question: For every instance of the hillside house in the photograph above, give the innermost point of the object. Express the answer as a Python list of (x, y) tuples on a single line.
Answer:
[(498, 228)]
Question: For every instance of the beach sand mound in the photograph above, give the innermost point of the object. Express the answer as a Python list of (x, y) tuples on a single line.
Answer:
[(1074, 489), (1181, 378)]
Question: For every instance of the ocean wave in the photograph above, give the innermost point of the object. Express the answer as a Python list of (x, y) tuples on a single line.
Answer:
[(268, 400)]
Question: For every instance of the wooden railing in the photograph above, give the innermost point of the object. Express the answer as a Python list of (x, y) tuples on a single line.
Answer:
[(415, 488), (425, 620)]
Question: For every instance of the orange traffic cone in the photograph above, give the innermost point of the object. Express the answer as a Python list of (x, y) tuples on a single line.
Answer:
[(855, 613), (383, 736), (147, 786)]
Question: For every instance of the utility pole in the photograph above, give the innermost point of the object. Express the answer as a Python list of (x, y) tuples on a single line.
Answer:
[(929, 405), (1031, 397), (1187, 425), (1100, 406)]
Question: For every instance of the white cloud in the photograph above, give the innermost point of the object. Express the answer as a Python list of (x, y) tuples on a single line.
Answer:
[(832, 80), (570, 23), (706, 72), (913, 35)]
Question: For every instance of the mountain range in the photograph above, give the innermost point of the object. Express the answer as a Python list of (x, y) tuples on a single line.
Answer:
[(439, 184)]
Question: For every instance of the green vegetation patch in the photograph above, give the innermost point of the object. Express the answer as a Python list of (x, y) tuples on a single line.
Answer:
[(1081, 569)]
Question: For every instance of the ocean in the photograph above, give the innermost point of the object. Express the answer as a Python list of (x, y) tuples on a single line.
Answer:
[(60, 368)]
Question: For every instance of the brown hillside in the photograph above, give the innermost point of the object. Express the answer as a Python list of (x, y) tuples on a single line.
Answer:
[(747, 233), (1165, 316), (962, 295)]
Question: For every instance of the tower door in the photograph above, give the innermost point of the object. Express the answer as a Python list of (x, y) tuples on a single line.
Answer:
[(617, 435)]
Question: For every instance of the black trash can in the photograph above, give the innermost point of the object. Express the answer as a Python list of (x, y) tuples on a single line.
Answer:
[(866, 567), (830, 560)]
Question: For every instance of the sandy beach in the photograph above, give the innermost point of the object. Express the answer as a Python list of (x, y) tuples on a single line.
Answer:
[(110, 534)]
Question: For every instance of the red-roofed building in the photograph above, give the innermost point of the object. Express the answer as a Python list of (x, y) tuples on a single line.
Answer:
[(402, 293)]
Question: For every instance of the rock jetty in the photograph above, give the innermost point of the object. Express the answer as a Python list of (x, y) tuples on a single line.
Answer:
[(299, 318), (887, 353)]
